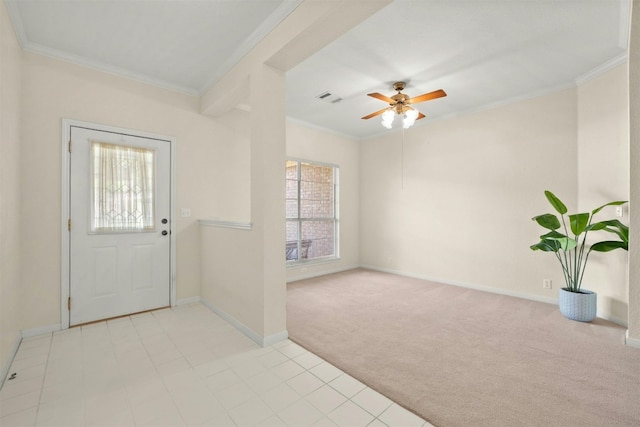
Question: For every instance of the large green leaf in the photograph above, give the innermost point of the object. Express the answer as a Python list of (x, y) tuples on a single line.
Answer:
[(556, 241), (578, 223), (546, 246), (548, 221), (615, 226), (553, 235), (597, 226), (555, 202), (566, 243), (618, 203), (609, 246)]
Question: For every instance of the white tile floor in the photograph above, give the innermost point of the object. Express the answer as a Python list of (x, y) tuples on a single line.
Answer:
[(182, 367)]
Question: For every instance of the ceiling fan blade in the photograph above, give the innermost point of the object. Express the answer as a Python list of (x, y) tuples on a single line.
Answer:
[(420, 116), (428, 96), (381, 97), (377, 113)]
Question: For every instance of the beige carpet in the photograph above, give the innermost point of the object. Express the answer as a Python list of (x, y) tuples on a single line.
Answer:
[(460, 357)]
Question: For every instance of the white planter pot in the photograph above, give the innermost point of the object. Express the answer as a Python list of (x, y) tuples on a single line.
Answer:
[(578, 306)]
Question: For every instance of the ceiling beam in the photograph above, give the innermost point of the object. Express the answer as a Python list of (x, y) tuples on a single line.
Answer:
[(310, 27)]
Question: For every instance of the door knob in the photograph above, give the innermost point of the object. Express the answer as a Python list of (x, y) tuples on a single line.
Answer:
[(164, 220), (165, 232)]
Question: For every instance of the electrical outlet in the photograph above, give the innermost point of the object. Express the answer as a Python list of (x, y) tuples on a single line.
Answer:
[(546, 284), (619, 211)]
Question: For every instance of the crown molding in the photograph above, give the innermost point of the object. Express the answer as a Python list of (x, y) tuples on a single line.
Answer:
[(106, 68), (16, 21), (602, 68), (284, 10), (28, 46)]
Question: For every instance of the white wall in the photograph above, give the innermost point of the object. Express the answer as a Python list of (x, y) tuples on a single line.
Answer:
[(634, 229), (209, 167), (231, 258), (306, 143), (243, 272), (603, 176), (471, 186), (10, 286)]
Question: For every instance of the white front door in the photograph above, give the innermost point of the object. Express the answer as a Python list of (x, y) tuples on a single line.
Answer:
[(120, 235)]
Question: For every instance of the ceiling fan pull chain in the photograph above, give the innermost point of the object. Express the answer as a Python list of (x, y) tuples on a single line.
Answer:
[(402, 161)]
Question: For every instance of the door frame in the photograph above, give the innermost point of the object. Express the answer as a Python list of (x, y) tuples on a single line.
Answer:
[(65, 279)]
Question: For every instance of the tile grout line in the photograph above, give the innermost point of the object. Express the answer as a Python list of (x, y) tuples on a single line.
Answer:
[(44, 376), (244, 359)]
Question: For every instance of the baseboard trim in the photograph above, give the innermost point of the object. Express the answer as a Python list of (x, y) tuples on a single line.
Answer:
[(11, 356), (257, 338), (28, 333), (187, 301), (275, 338), (612, 318), (465, 285), (554, 301), (631, 342), (319, 273)]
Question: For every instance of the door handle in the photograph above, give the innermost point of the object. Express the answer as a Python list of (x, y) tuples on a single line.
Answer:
[(164, 220), (165, 232)]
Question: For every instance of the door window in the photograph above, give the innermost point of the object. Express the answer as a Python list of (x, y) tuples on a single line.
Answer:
[(122, 190)]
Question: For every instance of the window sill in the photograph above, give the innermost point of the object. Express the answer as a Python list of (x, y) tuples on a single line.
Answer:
[(313, 262)]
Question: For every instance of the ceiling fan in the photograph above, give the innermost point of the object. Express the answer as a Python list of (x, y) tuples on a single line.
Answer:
[(400, 105)]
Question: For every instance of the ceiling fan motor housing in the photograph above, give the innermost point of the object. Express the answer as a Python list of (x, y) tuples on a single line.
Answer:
[(399, 86), (401, 103)]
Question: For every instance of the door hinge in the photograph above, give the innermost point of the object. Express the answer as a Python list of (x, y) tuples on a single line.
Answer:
[(69, 224), (69, 146), (69, 303)]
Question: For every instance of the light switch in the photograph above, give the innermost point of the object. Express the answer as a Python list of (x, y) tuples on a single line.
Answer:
[(619, 211), (186, 212)]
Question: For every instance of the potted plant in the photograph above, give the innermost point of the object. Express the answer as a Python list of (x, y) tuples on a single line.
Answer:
[(567, 239)]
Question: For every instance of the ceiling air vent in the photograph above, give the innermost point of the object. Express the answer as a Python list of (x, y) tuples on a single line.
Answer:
[(329, 97)]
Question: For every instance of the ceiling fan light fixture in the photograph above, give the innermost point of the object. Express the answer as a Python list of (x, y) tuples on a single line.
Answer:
[(410, 117), (388, 118), (407, 117)]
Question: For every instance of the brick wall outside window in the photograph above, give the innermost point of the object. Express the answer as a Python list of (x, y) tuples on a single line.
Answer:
[(311, 221)]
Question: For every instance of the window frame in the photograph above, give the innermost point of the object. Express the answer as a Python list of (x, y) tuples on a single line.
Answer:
[(335, 218)]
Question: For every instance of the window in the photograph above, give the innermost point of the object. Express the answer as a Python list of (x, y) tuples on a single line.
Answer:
[(122, 197), (312, 219)]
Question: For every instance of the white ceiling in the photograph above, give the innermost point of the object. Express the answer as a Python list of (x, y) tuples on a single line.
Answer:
[(183, 45), (481, 52)]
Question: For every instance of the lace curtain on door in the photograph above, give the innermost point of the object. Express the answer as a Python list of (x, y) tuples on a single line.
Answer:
[(123, 188)]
